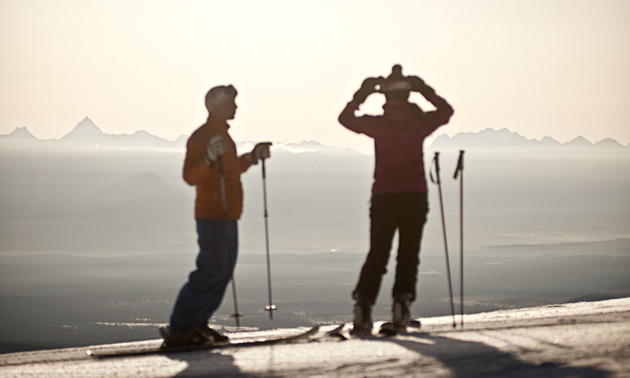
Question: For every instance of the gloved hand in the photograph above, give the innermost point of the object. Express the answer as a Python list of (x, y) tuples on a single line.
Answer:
[(216, 147), (260, 152), (418, 85), (367, 88)]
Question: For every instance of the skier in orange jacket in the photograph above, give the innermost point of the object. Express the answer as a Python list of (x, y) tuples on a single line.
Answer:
[(210, 159)]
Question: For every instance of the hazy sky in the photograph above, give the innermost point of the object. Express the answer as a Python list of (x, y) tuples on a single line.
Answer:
[(537, 67)]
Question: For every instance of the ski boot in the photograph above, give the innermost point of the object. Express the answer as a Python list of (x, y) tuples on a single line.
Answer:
[(195, 336), (362, 316), (212, 334), (401, 318)]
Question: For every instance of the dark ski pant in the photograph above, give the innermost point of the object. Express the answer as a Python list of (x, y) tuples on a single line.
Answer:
[(405, 212), (204, 291)]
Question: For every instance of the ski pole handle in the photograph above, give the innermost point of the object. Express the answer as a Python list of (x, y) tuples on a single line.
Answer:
[(436, 163), (264, 174), (460, 164)]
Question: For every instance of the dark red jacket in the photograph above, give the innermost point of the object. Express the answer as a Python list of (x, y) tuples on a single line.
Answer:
[(398, 137)]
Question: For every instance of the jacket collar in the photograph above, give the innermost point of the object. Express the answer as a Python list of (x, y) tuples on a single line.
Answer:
[(216, 123), (398, 109)]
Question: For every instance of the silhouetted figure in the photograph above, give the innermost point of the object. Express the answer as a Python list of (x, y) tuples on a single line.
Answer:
[(399, 193), (214, 168)]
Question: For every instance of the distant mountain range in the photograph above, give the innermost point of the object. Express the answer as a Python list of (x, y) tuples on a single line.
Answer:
[(504, 138), (86, 134), (74, 191)]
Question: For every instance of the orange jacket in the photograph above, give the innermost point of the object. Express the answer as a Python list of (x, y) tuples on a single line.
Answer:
[(209, 203)]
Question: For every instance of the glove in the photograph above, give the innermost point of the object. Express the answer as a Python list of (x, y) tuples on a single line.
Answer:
[(260, 152), (367, 88), (216, 147), (418, 85)]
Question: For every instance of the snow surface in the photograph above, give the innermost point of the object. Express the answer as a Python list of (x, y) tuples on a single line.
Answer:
[(569, 340)]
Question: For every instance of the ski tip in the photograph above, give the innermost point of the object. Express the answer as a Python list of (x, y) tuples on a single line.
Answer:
[(337, 332)]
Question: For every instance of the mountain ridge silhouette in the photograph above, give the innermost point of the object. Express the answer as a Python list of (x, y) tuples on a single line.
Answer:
[(87, 133)]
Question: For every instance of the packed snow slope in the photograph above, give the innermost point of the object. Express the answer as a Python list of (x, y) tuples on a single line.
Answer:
[(587, 339)]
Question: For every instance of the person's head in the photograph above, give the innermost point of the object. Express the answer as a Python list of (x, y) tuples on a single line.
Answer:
[(220, 102), (395, 79)]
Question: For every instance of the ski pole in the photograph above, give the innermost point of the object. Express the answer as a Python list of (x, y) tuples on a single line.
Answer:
[(460, 171), (271, 308), (436, 162), (237, 315)]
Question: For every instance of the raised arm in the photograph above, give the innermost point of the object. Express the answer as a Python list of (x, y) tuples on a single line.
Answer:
[(443, 111), (347, 118)]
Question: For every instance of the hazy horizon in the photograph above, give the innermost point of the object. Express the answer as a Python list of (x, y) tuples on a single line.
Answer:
[(314, 190), (87, 130)]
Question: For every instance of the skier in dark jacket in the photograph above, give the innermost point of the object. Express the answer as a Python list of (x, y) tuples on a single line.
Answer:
[(399, 193)]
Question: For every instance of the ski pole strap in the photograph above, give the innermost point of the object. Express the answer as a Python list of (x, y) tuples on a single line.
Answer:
[(436, 163), (460, 164)]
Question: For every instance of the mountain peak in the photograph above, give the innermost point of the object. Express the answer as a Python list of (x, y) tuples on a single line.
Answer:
[(86, 122), (549, 141), (579, 141), (312, 146), (609, 142), (488, 137), (141, 133), (84, 129), (148, 177), (307, 143), (21, 133)]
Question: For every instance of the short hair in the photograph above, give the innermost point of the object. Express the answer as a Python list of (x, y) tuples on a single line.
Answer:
[(219, 93)]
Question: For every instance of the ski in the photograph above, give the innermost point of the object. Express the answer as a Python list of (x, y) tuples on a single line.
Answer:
[(337, 332), (152, 351)]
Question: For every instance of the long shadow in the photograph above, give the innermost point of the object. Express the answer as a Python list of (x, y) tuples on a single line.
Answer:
[(215, 364), (463, 359), (208, 364), (475, 359)]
